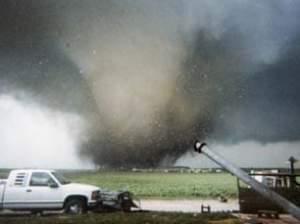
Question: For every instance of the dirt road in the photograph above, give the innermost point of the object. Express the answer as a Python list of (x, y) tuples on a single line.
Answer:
[(188, 205)]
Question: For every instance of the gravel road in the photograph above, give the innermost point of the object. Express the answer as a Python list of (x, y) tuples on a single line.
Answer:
[(169, 206), (188, 205)]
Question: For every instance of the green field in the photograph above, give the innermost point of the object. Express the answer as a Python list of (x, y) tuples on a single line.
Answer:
[(163, 185), (126, 218)]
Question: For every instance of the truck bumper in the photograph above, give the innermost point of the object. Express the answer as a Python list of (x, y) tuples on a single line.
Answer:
[(94, 204)]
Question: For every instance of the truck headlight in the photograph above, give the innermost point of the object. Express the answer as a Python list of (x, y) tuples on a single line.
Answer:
[(95, 195)]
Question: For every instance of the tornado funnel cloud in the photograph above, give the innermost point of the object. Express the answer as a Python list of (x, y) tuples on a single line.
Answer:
[(148, 77)]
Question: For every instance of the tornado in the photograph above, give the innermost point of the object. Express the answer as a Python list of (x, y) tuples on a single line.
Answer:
[(147, 78)]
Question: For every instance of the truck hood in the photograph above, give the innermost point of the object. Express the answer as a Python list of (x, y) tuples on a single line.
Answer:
[(84, 187)]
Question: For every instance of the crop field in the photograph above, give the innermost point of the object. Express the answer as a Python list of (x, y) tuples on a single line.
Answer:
[(126, 218), (162, 185)]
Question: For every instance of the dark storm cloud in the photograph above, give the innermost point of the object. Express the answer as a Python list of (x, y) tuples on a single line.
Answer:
[(32, 62), (151, 76), (270, 105)]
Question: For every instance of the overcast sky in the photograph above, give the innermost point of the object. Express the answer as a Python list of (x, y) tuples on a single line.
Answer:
[(134, 83)]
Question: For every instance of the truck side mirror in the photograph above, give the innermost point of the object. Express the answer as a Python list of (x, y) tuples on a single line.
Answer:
[(53, 185)]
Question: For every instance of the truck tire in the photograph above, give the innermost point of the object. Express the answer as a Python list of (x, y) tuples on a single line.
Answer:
[(36, 212), (75, 206), (126, 207)]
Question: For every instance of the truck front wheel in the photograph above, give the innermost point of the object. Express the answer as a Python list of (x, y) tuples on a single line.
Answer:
[(75, 206), (126, 207)]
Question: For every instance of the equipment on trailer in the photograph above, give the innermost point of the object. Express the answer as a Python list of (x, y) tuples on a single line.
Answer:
[(284, 184), (253, 185)]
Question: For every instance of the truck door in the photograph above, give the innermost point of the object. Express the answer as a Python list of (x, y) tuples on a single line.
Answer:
[(43, 191)]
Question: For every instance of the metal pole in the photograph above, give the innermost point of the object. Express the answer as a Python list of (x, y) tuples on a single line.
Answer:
[(260, 188), (292, 161)]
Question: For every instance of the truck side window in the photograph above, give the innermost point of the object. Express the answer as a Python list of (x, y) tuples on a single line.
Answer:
[(20, 179), (40, 179)]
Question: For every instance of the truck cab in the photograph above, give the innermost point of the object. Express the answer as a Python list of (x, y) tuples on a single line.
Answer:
[(38, 190)]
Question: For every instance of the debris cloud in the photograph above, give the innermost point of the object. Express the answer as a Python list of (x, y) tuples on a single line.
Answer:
[(151, 76)]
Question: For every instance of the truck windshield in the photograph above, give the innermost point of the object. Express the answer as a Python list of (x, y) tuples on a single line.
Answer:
[(60, 178)]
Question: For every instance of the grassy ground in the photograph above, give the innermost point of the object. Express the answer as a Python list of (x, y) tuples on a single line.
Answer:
[(163, 185), (126, 218)]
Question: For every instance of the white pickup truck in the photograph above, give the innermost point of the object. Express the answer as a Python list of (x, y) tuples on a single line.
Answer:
[(39, 190)]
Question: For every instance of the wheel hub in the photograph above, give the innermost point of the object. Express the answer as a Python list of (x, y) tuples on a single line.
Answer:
[(75, 209)]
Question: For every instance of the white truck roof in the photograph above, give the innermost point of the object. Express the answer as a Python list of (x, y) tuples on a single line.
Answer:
[(32, 170), (19, 177)]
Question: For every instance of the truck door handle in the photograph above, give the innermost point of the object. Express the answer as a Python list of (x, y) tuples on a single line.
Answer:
[(28, 190)]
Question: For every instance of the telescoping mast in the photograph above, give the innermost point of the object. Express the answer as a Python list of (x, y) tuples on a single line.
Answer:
[(282, 202)]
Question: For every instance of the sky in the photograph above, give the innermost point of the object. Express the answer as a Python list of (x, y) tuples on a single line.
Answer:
[(33, 136), (134, 83)]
